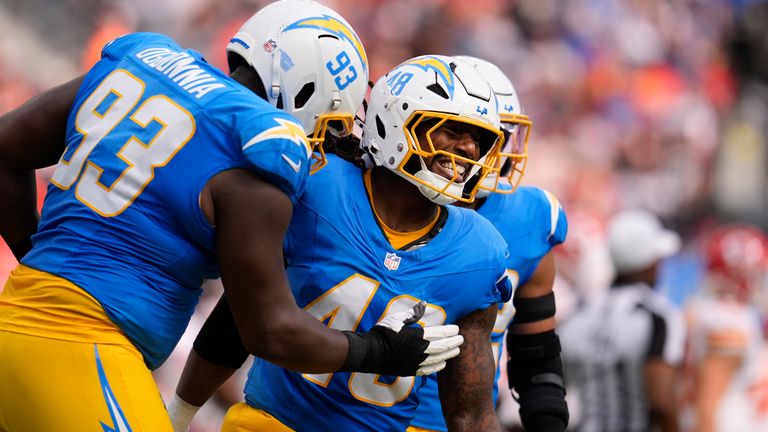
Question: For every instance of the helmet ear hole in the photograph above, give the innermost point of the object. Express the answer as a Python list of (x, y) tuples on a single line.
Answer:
[(380, 129), (279, 103), (303, 96), (438, 90)]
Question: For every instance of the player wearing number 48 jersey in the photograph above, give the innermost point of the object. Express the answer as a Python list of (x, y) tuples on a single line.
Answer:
[(171, 172), (366, 244)]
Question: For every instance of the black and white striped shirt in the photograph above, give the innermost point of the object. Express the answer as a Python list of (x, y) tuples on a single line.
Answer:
[(605, 347)]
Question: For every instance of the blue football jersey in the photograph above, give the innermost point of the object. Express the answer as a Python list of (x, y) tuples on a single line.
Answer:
[(151, 124), (343, 270), (532, 222)]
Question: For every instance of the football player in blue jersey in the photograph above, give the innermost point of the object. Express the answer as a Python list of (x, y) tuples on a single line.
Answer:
[(373, 242), (532, 222), (169, 172)]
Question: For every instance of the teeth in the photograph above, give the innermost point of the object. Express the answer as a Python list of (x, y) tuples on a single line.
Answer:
[(448, 166)]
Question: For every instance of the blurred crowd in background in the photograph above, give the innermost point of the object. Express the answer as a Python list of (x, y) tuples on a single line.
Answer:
[(657, 104)]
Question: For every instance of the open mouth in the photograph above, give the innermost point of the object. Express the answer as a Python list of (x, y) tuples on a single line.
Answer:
[(449, 170)]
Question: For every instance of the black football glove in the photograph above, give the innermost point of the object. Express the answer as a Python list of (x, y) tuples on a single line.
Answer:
[(394, 347)]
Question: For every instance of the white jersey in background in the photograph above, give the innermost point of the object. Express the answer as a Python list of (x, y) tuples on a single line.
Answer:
[(726, 327), (605, 347)]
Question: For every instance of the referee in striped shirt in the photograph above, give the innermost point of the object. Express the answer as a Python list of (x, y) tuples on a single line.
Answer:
[(622, 350)]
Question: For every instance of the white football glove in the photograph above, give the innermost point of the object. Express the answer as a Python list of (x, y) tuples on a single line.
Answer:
[(444, 340)]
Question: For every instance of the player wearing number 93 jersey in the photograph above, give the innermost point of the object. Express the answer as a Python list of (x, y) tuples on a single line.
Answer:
[(125, 205), (169, 172), (122, 231)]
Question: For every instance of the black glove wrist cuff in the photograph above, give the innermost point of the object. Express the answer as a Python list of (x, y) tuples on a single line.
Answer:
[(386, 352), (357, 353)]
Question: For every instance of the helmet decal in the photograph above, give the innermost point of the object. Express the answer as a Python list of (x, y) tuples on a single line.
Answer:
[(285, 61), (513, 156), (441, 68), (336, 27), (409, 137), (290, 44), (239, 41)]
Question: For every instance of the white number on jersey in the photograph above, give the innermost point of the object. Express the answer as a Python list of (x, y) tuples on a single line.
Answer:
[(343, 307), (122, 91)]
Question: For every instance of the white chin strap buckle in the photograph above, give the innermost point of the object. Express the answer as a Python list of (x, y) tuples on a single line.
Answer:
[(336, 102), (275, 91)]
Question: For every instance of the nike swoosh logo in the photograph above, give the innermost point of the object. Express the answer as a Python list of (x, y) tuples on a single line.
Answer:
[(295, 165)]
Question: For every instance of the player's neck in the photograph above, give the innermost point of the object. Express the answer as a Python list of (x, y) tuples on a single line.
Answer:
[(398, 203), (474, 205), (248, 77)]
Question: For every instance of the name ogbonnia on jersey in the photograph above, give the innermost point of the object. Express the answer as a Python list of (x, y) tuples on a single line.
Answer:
[(182, 69)]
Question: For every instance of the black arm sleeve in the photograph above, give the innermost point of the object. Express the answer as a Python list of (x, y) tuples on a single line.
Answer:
[(219, 341)]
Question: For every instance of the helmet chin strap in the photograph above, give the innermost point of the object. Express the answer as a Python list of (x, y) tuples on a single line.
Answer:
[(437, 182), (274, 92), (488, 184)]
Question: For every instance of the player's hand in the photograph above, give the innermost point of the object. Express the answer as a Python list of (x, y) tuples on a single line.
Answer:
[(442, 341), (394, 347)]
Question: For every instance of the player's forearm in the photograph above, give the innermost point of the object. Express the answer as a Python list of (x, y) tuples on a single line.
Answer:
[(32, 136), (18, 220), (668, 422), (471, 420), (466, 384), (200, 379), (713, 378), (295, 340), (534, 367)]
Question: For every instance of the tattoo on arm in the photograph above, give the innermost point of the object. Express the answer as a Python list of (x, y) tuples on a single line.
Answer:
[(466, 384)]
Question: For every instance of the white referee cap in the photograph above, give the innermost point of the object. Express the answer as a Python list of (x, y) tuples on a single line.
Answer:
[(637, 240)]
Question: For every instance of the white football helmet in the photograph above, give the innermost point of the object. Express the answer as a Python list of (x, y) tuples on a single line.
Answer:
[(418, 97), (516, 127), (311, 63)]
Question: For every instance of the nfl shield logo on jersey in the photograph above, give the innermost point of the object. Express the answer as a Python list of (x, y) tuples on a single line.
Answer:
[(392, 261)]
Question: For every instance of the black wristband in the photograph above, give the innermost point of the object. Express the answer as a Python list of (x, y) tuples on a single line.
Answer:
[(21, 247), (528, 310)]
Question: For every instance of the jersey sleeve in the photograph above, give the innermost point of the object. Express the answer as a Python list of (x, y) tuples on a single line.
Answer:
[(504, 287), (667, 339), (557, 228), (273, 143), (501, 286), (729, 328)]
